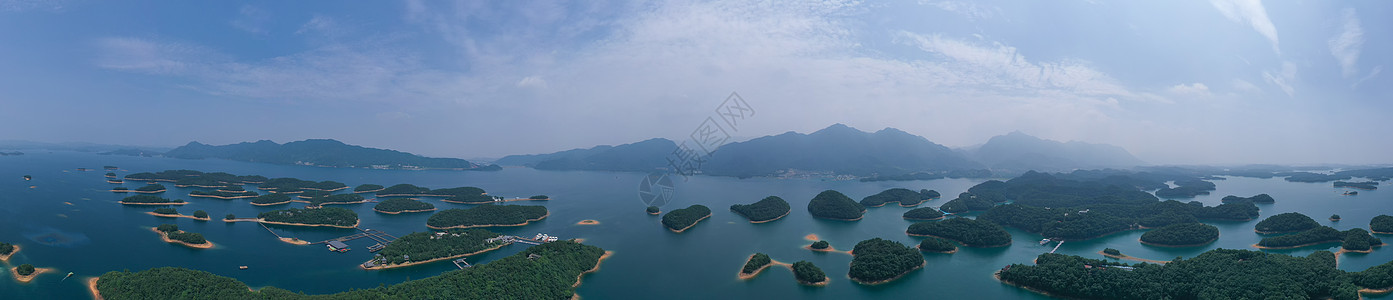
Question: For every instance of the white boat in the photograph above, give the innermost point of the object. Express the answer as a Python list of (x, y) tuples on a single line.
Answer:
[(1044, 241)]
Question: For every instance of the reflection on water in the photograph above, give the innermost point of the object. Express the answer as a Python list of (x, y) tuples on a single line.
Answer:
[(49, 236)]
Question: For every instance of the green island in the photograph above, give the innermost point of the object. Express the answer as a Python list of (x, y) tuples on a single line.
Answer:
[(187, 178), (404, 190), (222, 194), (337, 199), (120, 189), (486, 216), (1364, 185), (1335, 218), (110, 175), (7, 250), (367, 188), (272, 199), (1259, 198), (1356, 239), (547, 271), (402, 205), (923, 214), (153, 188), (966, 202), (150, 200), (766, 210), (904, 197), (1381, 224), (933, 244), (1216, 274), (831, 204), (969, 232), (468, 194), (1188, 188), (755, 264), (1285, 222), (877, 261), (327, 216), (680, 220), (170, 233), (820, 246), (426, 247), (539, 197), (1181, 235), (808, 274), (653, 210), (295, 185)]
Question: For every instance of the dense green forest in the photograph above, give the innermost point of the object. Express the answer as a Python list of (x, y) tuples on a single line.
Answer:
[(1363, 185), (831, 204), (1216, 274), (879, 259), (403, 190), (923, 214), (166, 211), (167, 228), (969, 232), (764, 210), (1286, 222), (276, 198), (756, 261), (681, 219), (466, 194), (1182, 234), (933, 244), (6, 248), (1381, 224), (1376, 277), (148, 199), (295, 185), (1358, 239), (550, 275), (200, 214), (903, 177), (820, 245), (1186, 189), (653, 210), (901, 196), (966, 202), (25, 269), (807, 273), (318, 216), (363, 188), (487, 215), (1259, 198), (172, 232), (927, 194), (336, 199), (151, 188), (423, 246), (396, 205), (1353, 239)]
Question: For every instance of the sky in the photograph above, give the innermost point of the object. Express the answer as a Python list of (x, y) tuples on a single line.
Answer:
[(1174, 82)]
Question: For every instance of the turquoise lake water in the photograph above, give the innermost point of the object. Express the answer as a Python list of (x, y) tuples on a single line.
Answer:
[(94, 234)]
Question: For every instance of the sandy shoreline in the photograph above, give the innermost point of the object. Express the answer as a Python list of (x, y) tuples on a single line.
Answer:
[(371, 191), (746, 276), (829, 249), (355, 224), (906, 272), (165, 237), (529, 221), (485, 202), (593, 270), (169, 203), (277, 203), (26, 279), (220, 197), (332, 190), (92, 287), (1128, 257), (404, 211), (812, 237), (997, 275), (934, 219), (294, 241), (960, 242), (770, 220), (708, 215), (177, 216), (588, 222), (656, 213), (6, 257), (863, 215), (384, 267), (1297, 246)]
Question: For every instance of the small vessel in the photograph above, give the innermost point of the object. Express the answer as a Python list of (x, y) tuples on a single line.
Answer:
[(241, 267), (27, 177), (1044, 241), (70, 274)]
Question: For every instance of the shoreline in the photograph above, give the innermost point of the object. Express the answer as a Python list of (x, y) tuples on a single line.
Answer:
[(25, 279), (404, 211), (447, 200), (141, 203), (829, 249), (769, 220), (165, 237), (1281, 232), (955, 250), (812, 237), (403, 265), (294, 241), (6, 257), (1008, 243), (602, 259), (878, 282), (997, 275), (1296, 246), (323, 190), (863, 215), (177, 216), (747, 276), (1102, 235), (1376, 291), (220, 197), (655, 213), (276, 203), (92, 287), (1371, 230), (1128, 257), (588, 222), (934, 219), (708, 215), (1210, 241), (355, 224), (528, 221)]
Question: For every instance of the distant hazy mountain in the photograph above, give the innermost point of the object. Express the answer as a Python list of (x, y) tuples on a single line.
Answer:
[(75, 146), (320, 152), (1017, 151), (837, 148), (648, 155)]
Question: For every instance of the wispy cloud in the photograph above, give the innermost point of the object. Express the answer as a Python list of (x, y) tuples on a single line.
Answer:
[(1251, 13), (1347, 45), (1193, 90), (251, 19), (28, 5), (969, 9), (1283, 78)]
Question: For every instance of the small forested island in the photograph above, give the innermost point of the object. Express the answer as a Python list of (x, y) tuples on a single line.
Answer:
[(1335, 218), (7, 250), (1181, 235), (170, 212), (222, 194), (755, 264), (680, 220), (808, 274), (933, 244), (110, 175), (1259, 198), (1186, 189), (879, 261), (547, 271), (831, 204), (486, 215), (1381, 224), (769, 209), (1216, 274), (120, 189), (1354, 239), (26, 272), (969, 232), (966, 202), (271, 199), (1285, 222), (337, 199), (653, 210), (820, 246), (150, 200), (402, 205), (923, 214), (170, 233), (471, 195), (404, 190), (153, 188), (425, 247), (327, 216), (539, 197), (296, 185), (1363, 185), (902, 196), (367, 188)]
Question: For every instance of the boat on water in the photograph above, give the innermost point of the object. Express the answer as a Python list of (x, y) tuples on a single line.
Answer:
[(1351, 193), (1044, 241)]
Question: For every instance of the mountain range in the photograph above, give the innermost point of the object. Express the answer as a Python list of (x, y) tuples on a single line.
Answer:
[(321, 152)]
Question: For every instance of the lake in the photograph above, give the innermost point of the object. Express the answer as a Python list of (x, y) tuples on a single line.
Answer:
[(68, 220)]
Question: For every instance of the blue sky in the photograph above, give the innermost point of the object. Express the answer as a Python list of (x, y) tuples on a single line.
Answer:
[(1228, 81)]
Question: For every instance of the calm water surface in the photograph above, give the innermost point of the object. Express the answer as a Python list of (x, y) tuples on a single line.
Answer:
[(68, 220)]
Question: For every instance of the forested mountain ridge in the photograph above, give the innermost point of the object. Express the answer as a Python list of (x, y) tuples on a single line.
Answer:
[(320, 152)]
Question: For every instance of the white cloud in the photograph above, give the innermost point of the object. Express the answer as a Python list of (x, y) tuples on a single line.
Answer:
[(971, 10), (150, 56), (251, 19), (999, 66), (1193, 90), (1245, 86), (532, 82), (1283, 78), (1346, 46), (1372, 73), (1251, 13)]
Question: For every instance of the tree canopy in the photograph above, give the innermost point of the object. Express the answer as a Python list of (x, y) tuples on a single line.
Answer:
[(317, 216), (681, 219), (1183, 234), (933, 244), (880, 259), (807, 273), (1382, 224), (923, 213), (1286, 222), (756, 261), (423, 246), (148, 199), (969, 232), (396, 205), (487, 215), (831, 204), (764, 210), (901, 196)]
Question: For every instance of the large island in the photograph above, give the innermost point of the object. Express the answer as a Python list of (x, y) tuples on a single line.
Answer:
[(402, 205), (426, 247), (879, 261), (682, 219), (1181, 235), (769, 209), (150, 200), (327, 216), (486, 216), (831, 204), (969, 232)]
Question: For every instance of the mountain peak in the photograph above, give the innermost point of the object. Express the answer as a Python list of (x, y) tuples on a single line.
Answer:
[(838, 128)]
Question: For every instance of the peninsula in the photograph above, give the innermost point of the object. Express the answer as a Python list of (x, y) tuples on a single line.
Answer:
[(969, 232)]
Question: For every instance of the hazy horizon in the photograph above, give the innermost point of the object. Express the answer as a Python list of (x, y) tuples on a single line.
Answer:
[(1198, 82)]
